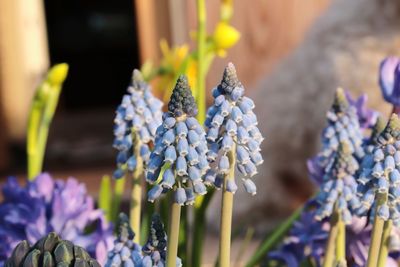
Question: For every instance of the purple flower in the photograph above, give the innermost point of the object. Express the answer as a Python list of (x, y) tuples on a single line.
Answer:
[(45, 205), (307, 240), (367, 117), (389, 80)]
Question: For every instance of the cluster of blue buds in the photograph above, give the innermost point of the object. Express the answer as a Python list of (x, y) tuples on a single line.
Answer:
[(180, 150), (125, 253), (339, 188), (343, 127), (136, 122), (155, 250), (381, 174), (232, 126)]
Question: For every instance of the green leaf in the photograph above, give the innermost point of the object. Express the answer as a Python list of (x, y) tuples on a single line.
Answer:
[(105, 196)]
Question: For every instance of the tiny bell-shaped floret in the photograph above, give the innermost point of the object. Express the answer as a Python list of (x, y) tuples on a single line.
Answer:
[(180, 148), (232, 127), (135, 122)]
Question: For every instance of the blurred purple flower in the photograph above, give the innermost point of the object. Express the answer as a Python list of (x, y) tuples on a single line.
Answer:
[(389, 80), (45, 205), (366, 117), (307, 240)]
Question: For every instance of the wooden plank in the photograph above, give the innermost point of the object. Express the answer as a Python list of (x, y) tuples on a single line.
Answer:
[(23, 59)]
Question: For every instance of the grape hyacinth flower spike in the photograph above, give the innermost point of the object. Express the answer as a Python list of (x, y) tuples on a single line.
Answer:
[(136, 122), (234, 140), (342, 126), (389, 81), (155, 250), (379, 187), (180, 151), (125, 252), (338, 199)]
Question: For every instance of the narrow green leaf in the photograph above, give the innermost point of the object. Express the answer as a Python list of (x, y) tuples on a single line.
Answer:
[(105, 196)]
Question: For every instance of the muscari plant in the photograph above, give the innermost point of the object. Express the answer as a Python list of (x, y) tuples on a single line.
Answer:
[(234, 143), (180, 155), (377, 237), (136, 122)]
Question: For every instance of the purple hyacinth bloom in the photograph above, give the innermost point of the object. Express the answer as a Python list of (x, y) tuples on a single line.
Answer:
[(46, 205), (136, 122), (389, 80), (366, 117), (308, 237), (232, 126), (181, 149)]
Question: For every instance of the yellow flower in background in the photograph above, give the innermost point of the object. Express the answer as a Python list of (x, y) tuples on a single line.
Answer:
[(173, 57), (175, 61), (225, 36)]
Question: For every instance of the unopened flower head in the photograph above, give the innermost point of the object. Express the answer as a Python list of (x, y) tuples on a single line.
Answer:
[(232, 125), (343, 127), (381, 174), (136, 122), (125, 252), (180, 150), (338, 191), (155, 250)]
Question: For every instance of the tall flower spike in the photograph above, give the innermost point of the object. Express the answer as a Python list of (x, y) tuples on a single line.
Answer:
[(380, 174), (125, 251), (343, 126), (180, 150), (232, 124), (136, 122), (155, 250), (338, 191)]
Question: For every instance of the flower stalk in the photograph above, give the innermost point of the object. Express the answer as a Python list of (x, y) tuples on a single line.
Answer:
[(226, 214), (376, 235), (201, 54), (384, 251), (173, 234), (44, 105), (331, 244), (136, 194)]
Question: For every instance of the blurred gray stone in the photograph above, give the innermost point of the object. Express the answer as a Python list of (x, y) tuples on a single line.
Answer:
[(343, 48)]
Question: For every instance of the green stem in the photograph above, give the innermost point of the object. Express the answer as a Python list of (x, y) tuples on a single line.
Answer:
[(226, 215), (384, 252), (199, 225), (173, 235), (276, 235), (201, 53), (119, 187), (341, 242), (376, 234), (136, 194), (331, 244)]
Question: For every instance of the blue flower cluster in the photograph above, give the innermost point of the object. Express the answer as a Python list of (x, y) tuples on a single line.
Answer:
[(232, 126), (343, 126), (180, 150), (339, 188), (136, 122), (155, 250), (125, 252), (381, 174)]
